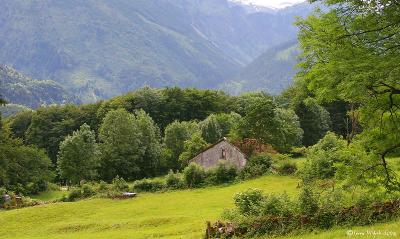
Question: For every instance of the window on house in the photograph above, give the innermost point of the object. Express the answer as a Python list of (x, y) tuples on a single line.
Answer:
[(223, 154)]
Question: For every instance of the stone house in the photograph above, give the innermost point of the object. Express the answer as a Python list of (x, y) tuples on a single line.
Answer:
[(223, 150)]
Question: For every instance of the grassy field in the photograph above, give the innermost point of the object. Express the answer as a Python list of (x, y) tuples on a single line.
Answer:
[(50, 195), (177, 214), (389, 230)]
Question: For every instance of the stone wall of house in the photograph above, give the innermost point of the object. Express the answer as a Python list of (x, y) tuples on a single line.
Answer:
[(220, 152)]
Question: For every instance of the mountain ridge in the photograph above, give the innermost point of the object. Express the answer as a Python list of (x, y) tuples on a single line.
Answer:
[(272, 71), (99, 49), (19, 89)]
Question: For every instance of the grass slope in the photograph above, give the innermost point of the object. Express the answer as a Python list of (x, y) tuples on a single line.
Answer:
[(179, 214), (50, 195)]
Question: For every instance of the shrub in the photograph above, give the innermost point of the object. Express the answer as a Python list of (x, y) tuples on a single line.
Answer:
[(308, 204), (64, 198), (298, 152), (88, 191), (103, 187), (28, 202), (322, 158), (256, 166), (119, 184), (148, 185), (283, 164), (174, 180), (256, 214), (18, 189), (35, 188), (249, 201), (194, 175), (286, 167), (277, 205), (75, 194), (3, 192), (52, 187), (223, 173), (84, 191)]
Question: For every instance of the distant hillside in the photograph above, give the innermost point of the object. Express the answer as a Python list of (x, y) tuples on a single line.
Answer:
[(273, 71), (19, 89), (11, 109), (99, 48)]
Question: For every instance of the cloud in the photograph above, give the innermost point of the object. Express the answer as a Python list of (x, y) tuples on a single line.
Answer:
[(271, 3)]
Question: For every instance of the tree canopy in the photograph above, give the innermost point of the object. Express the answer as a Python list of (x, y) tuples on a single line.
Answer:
[(78, 158), (119, 136), (351, 53)]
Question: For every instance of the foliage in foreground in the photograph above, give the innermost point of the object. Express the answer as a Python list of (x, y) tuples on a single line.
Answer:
[(256, 214), (349, 166), (351, 54)]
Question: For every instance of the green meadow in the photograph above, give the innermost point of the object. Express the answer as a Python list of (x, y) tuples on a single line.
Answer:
[(176, 214)]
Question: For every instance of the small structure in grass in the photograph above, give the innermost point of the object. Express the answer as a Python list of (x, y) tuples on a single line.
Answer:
[(6, 198), (129, 195), (119, 195)]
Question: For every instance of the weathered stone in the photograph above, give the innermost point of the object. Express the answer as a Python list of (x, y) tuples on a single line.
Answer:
[(221, 151)]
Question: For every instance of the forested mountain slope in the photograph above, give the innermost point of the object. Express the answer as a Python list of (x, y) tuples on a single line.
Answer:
[(99, 48), (19, 89), (272, 72)]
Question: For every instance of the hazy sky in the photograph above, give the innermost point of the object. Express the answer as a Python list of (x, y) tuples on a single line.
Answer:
[(272, 3)]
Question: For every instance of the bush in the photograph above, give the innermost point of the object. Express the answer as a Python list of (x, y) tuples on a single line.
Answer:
[(84, 191), (194, 175), (249, 201), (322, 158), (148, 185), (277, 205), (298, 152), (103, 187), (285, 167), (223, 173), (35, 188), (120, 185), (88, 191), (256, 214), (174, 180), (256, 166), (18, 189), (75, 194), (3, 192), (308, 204), (52, 187)]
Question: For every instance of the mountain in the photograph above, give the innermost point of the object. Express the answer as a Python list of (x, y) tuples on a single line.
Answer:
[(272, 72), (12, 109), (19, 89), (99, 48)]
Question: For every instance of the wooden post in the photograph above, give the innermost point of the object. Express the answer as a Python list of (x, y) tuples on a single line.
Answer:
[(208, 231)]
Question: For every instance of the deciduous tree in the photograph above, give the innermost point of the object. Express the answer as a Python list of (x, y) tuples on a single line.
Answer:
[(78, 158), (120, 145)]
